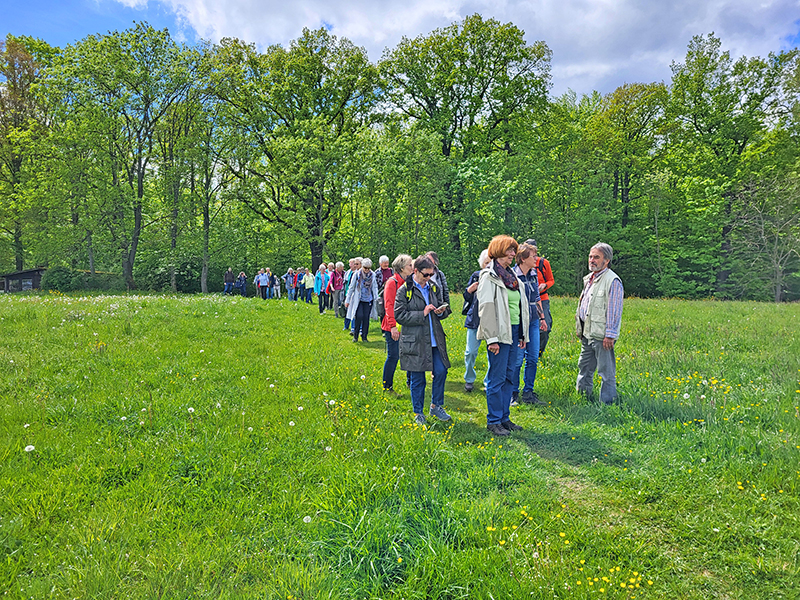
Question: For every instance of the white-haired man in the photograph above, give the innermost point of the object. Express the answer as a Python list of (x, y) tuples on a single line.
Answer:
[(598, 320)]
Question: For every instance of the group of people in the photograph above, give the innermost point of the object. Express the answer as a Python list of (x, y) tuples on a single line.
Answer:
[(506, 304)]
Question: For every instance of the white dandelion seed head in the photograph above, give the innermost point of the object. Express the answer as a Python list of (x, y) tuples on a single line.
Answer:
[(394, 468), (686, 396), (201, 351), (29, 448), (291, 423), (703, 397), (363, 377), (249, 429), (307, 519), (191, 410), (244, 376), (702, 460), (324, 393), (141, 422), (299, 408), (194, 378), (331, 402), (535, 555), (144, 409), (123, 418), (327, 448), (272, 385)]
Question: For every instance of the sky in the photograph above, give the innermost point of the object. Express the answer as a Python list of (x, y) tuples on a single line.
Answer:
[(597, 44)]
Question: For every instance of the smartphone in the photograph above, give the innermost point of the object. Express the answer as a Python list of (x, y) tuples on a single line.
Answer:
[(443, 306)]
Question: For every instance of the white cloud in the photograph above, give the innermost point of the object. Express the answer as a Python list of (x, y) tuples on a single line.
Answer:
[(597, 44)]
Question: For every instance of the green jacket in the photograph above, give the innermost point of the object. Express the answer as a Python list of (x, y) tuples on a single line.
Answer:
[(416, 350)]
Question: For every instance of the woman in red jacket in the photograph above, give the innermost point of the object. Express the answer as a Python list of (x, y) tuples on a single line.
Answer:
[(403, 267)]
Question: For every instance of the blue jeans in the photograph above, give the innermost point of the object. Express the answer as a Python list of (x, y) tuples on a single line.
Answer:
[(228, 289), (531, 357), (392, 356), (309, 297), (417, 384), (361, 320), (470, 354), (290, 293), (502, 367)]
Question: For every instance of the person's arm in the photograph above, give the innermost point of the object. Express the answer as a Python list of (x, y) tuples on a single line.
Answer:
[(402, 312), (616, 295), (470, 289), (548, 277)]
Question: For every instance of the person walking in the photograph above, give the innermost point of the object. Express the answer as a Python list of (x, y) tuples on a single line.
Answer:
[(262, 281), (419, 308), (526, 272), (355, 267), (504, 322), (544, 273), (336, 287), (471, 323), (360, 302), (403, 267), (241, 284), (320, 285), (290, 282), (598, 320), (229, 279)]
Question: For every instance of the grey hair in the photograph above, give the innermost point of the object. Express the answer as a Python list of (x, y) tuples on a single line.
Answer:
[(383, 259), (608, 252), (483, 258), (401, 262), (366, 262), (339, 264)]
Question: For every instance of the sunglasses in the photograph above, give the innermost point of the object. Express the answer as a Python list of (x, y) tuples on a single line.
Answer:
[(426, 275)]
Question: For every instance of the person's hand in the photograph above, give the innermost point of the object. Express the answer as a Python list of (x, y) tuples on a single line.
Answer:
[(522, 344), (471, 289), (347, 305), (542, 325), (494, 348), (542, 287), (395, 333), (608, 343), (440, 310), (428, 309)]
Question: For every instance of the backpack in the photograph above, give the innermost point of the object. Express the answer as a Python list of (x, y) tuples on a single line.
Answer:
[(380, 305)]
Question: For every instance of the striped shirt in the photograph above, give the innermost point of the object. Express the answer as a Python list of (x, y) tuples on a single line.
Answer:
[(613, 307)]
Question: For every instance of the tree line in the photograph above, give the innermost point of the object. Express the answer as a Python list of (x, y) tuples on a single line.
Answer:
[(131, 152)]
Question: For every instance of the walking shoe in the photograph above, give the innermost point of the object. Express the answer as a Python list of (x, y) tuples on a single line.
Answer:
[(497, 429), (511, 426), (439, 413), (514, 397), (532, 397), (514, 403), (468, 387), (420, 419)]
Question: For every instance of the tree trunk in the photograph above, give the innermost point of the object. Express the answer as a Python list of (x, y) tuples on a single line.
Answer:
[(316, 253), (206, 231), (90, 252), (19, 255)]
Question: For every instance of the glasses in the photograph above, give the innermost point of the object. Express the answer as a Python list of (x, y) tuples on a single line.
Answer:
[(425, 275)]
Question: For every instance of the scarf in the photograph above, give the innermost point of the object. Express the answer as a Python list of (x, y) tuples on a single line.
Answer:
[(366, 281), (507, 275)]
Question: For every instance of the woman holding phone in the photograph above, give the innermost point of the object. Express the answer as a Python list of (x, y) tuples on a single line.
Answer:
[(419, 309)]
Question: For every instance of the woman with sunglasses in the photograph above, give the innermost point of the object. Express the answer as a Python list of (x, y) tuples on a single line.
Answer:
[(504, 324), (419, 309)]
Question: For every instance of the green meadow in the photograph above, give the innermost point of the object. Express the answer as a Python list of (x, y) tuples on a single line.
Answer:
[(212, 447)]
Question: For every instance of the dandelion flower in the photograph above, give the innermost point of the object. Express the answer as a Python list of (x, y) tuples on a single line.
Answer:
[(562, 534), (29, 448), (307, 519), (291, 423), (502, 542), (191, 410), (399, 559)]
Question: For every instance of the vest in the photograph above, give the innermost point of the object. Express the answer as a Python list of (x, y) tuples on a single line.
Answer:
[(594, 328)]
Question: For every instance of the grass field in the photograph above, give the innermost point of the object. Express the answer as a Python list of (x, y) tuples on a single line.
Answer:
[(210, 447)]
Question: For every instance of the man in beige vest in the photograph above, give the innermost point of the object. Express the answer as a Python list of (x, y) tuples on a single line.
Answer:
[(597, 322)]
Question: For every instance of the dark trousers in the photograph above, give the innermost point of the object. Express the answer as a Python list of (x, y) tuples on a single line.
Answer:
[(323, 302), (392, 357), (361, 320), (263, 289)]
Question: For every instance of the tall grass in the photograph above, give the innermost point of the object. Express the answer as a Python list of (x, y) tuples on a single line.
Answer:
[(211, 447)]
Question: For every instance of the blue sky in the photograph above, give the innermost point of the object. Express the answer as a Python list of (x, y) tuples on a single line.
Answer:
[(597, 44)]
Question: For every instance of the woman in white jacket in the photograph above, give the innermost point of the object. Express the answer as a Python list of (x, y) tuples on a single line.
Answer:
[(360, 301), (504, 323)]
